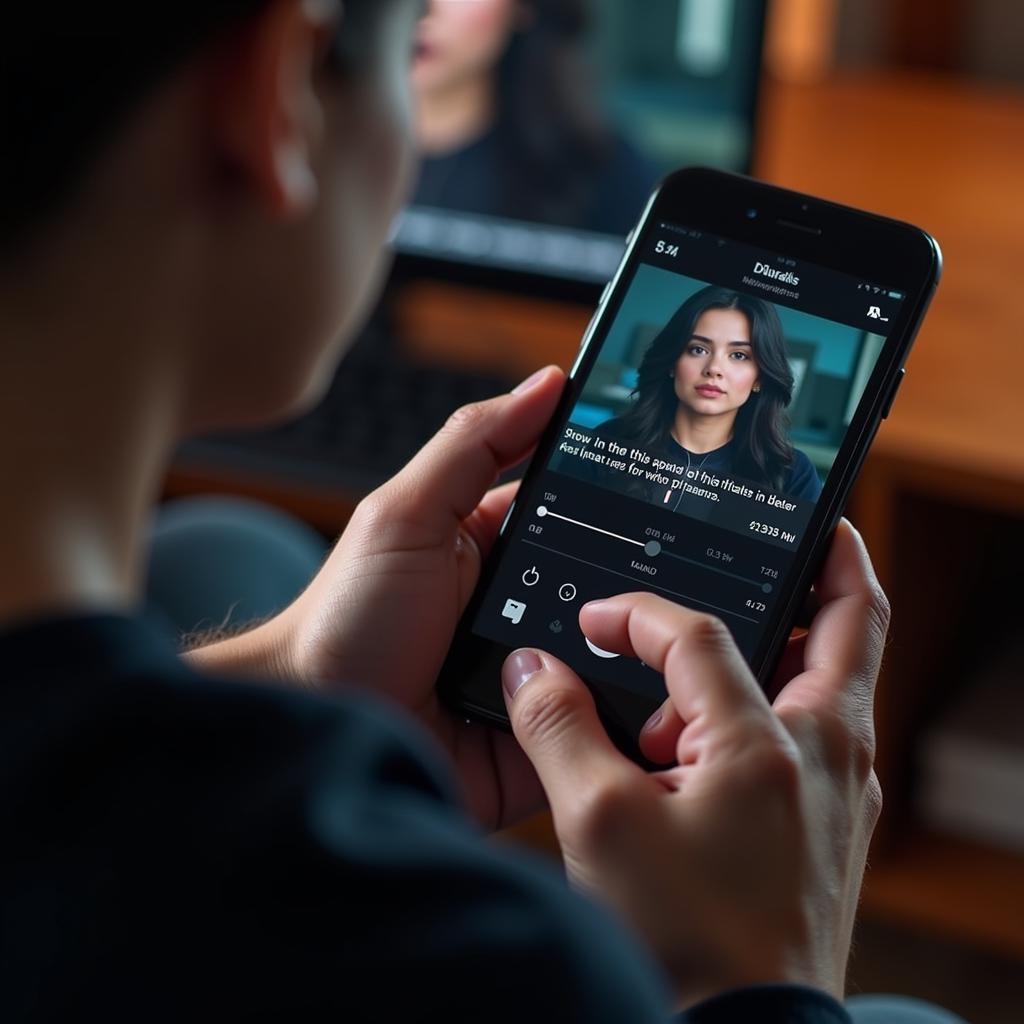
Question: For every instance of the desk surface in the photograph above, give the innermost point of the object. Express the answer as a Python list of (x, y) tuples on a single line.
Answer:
[(949, 157)]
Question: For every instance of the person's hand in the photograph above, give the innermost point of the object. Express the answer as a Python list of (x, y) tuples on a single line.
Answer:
[(741, 863), (381, 613)]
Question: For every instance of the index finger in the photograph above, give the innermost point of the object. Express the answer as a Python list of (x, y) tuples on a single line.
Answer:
[(704, 671)]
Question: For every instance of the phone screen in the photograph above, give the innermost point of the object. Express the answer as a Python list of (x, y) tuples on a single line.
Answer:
[(708, 411)]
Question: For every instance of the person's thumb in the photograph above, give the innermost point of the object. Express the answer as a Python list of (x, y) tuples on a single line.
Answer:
[(555, 721), (445, 481)]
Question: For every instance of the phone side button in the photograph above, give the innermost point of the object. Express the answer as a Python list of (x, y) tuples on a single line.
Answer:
[(892, 394), (590, 326)]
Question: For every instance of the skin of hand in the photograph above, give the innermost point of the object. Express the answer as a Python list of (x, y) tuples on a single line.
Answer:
[(742, 862), (381, 613)]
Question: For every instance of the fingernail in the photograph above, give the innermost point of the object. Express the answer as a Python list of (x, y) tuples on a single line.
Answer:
[(595, 604), (529, 382), (654, 721), (518, 667)]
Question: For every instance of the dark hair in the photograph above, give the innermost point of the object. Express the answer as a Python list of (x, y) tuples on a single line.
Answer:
[(764, 453), (71, 74), (551, 127)]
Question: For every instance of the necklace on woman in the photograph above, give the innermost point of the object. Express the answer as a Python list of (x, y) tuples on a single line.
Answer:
[(707, 455), (700, 466)]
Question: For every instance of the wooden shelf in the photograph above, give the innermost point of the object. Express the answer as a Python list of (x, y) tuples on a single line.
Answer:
[(945, 479), (950, 886)]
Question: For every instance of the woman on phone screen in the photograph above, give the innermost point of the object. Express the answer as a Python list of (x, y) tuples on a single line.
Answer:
[(711, 394)]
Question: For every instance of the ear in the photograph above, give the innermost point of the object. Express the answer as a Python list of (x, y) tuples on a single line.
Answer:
[(267, 116)]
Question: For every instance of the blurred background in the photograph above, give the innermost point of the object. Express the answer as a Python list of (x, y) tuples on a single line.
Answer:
[(543, 125)]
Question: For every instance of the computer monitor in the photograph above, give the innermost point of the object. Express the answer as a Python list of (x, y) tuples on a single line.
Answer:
[(544, 125)]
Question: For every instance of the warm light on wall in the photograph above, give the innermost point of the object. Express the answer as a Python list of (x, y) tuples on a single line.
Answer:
[(800, 39)]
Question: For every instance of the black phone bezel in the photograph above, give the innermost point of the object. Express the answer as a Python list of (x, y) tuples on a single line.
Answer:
[(805, 228)]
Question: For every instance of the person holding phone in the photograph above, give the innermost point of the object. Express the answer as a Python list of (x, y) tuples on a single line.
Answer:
[(281, 825), (711, 393)]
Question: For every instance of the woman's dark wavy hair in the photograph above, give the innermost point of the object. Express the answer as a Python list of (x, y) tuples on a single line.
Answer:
[(552, 129), (71, 72), (764, 453)]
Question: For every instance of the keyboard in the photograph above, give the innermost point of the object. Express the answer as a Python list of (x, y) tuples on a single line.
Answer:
[(378, 413)]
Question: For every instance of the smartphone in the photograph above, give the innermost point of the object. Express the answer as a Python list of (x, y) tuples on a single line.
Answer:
[(724, 397)]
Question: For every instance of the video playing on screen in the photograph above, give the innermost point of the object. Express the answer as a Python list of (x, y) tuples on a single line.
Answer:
[(705, 399), (713, 401)]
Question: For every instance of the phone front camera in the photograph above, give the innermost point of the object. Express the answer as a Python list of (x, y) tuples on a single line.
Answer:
[(751, 214)]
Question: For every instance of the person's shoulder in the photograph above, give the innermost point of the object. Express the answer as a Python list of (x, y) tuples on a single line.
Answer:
[(615, 428), (625, 169), (768, 1002), (406, 893), (120, 681), (801, 463), (395, 889), (802, 480), (623, 181), (280, 854), (475, 921)]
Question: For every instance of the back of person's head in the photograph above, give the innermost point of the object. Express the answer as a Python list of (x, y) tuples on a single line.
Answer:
[(71, 73), (67, 80), (260, 141)]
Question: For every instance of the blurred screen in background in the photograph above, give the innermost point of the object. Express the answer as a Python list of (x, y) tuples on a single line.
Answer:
[(545, 124)]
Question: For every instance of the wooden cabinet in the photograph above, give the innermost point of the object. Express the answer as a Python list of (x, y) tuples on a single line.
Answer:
[(942, 495)]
